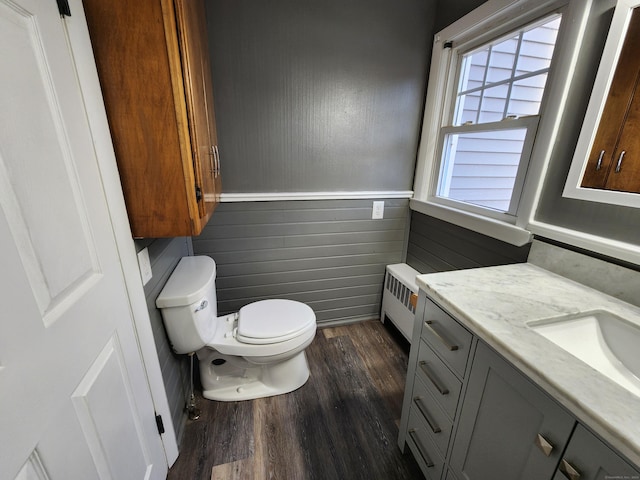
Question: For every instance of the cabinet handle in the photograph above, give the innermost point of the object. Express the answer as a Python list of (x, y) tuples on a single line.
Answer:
[(569, 470), (444, 341), (423, 409), (212, 160), (432, 377), (619, 164), (217, 160), (599, 164), (416, 440), (544, 445)]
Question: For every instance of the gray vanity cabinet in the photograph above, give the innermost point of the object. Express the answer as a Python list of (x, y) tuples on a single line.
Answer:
[(509, 428), (469, 414), (587, 458)]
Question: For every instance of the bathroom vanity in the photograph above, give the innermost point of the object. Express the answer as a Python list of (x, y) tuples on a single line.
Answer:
[(492, 390)]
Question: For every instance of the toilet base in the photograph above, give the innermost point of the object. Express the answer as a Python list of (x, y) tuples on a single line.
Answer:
[(234, 378)]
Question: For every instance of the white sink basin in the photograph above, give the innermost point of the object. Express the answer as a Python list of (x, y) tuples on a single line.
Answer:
[(606, 342)]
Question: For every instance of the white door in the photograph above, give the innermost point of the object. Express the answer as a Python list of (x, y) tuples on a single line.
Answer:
[(74, 398)]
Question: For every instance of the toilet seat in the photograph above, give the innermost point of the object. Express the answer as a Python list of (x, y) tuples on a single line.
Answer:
[(273, 321)]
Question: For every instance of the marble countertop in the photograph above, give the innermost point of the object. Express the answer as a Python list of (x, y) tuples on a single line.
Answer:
[(497, 302)]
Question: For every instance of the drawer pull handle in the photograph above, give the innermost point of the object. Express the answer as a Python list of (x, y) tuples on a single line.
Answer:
[(433, 378), (569, 470), (444, 341), (416, 440), (423, 410), (544, 445)]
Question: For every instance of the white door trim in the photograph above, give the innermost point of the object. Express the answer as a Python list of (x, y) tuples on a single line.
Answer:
[(90, 86)]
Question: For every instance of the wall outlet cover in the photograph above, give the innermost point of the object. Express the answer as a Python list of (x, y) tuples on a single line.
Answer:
[(378, 210), (145, 266)]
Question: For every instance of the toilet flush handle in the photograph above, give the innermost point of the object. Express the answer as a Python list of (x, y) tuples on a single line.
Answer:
[(204, 304)]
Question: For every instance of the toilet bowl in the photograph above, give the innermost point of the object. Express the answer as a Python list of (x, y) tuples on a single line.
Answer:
[(253, 353)]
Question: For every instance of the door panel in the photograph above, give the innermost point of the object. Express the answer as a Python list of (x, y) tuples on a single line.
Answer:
[(35, 151), (104, 408), (68, 348)]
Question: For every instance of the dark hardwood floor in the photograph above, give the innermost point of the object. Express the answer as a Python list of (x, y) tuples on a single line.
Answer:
[(342, 424)]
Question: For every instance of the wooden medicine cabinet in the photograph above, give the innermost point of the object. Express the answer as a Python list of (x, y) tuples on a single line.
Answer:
[(606, 164), (154, 69)]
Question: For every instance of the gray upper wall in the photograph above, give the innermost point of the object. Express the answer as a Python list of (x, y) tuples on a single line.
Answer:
[(449, 11), (319, 96), (328, 96), (610, 221)]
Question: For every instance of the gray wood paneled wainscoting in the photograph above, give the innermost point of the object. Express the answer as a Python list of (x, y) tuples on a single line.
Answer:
[(329, 254), (164, 254), (439, 246)]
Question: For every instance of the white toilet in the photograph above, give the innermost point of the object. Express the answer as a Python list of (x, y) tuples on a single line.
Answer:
[(256, 352)]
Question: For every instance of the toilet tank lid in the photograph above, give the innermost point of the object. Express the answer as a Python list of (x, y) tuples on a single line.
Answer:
[(188, 283)]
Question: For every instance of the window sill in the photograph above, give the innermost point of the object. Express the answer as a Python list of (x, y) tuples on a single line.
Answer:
[(505, 232)]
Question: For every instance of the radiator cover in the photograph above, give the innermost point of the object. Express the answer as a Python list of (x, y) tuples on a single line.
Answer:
[(399, 284)]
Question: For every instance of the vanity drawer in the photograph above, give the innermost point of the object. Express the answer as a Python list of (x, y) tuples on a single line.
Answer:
[(438, 380), (424, 450), (438, 423), (447, 337)]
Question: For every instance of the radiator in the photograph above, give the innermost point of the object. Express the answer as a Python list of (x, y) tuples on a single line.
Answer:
[(397, 304)]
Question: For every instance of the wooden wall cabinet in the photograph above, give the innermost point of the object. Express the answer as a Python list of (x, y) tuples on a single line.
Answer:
[(153, 64)]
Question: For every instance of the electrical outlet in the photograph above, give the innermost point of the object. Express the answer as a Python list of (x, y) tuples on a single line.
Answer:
[(378, 210), (145, 266)]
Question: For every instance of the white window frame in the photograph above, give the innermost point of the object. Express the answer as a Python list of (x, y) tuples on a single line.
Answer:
[(487, 22)]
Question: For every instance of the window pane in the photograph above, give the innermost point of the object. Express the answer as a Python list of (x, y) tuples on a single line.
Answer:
[(503, 56), (526, 96), (493, 104), (507, 72), (469, 105), (537, 47), (480, 167), (473, 70)]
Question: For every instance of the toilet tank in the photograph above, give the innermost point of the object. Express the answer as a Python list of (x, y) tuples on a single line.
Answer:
[(188, 304)]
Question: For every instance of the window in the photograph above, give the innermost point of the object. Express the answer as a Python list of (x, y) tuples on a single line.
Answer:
[(495, 95), (494, 117)]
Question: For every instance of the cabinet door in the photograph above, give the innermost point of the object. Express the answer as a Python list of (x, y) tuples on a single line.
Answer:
[(192, 32), (587, 458), (504, 416), (624, 173)]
